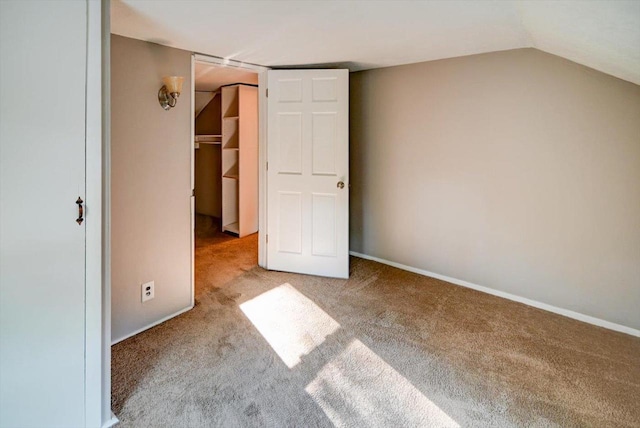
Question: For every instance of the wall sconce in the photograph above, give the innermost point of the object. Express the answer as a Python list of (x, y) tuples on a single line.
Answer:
[(170, 91)]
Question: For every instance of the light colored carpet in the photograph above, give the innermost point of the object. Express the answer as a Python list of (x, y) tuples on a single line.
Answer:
[(384, 348)]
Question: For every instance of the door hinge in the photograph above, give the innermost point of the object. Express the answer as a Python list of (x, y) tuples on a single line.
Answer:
[(267, 166), (267, 237), (267, 92)]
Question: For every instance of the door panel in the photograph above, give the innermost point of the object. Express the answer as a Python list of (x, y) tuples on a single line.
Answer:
[(324, 150), (289, 160), (290, 222), (308, 155), (42, 249), (324, 239)]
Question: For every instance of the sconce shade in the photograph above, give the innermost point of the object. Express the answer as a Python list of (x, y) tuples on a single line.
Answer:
[(173, 84), (170, 91)]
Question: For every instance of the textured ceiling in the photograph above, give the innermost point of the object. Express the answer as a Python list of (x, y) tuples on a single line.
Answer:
[(604, 35)]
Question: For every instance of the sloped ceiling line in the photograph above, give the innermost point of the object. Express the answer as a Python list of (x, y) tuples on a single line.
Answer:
[(202, 100), (601, 34)]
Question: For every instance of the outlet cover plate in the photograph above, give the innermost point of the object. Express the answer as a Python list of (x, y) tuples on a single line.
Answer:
[(148, 291)]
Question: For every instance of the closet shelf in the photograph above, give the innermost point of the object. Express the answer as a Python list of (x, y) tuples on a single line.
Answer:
[(207, 138), (232, 176), (231, 118)]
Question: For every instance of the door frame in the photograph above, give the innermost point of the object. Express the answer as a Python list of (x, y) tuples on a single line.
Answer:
[(97, 221), (261, 71), (98, 178)]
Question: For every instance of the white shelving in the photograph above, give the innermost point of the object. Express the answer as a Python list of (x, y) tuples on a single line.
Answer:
[(240, 159), (214, 143), (207, 139)]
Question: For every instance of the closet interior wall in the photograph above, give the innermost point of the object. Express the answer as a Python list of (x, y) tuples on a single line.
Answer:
[(208, 171)]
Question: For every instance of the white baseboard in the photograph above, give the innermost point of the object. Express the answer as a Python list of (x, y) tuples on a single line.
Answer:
[(565, 312), (181, 311), (111, 422)]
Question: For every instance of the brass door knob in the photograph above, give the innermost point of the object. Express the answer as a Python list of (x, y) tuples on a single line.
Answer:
[(340, 184)]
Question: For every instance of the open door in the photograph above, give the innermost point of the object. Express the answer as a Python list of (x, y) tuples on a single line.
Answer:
[(308, 172)]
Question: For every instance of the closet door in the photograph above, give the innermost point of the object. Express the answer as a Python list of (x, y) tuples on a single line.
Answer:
[(42, 250)]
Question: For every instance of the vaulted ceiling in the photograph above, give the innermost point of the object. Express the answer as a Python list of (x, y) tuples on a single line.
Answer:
[(604, 35)]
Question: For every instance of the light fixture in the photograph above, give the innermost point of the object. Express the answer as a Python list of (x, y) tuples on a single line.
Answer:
[(170, 91)]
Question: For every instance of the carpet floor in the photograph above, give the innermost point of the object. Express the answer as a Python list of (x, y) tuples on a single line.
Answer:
[(386, 348)]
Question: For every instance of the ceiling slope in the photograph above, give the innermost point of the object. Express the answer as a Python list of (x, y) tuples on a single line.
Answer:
[(604, 35)]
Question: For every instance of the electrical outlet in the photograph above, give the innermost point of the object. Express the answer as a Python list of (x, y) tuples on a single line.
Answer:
[(148, 291)]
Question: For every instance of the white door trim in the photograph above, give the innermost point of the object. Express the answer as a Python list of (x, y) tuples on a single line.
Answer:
[(262, 148), (98, 222), (192, 198), (262, 169), (97, 285), (229, 63)]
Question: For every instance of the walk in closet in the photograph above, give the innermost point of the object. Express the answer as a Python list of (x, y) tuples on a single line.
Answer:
[(226, 159)]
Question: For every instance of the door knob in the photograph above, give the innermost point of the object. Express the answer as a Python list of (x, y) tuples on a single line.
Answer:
[(80, 213), (340, 184)]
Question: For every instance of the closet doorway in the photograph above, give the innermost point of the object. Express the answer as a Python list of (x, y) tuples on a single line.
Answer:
[(225, 171)]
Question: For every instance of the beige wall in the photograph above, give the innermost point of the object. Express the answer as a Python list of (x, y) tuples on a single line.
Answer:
[(150, 179), (517, 170)]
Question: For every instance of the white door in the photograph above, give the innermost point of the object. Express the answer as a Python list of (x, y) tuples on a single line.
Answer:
[(308, 172), (42, 247)]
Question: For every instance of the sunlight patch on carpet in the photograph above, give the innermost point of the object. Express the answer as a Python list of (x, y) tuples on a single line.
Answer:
[(291, 323), (358, 388)]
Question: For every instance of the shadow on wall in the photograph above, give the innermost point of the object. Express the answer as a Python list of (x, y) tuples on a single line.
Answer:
[(357, 111), (123, 9)]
